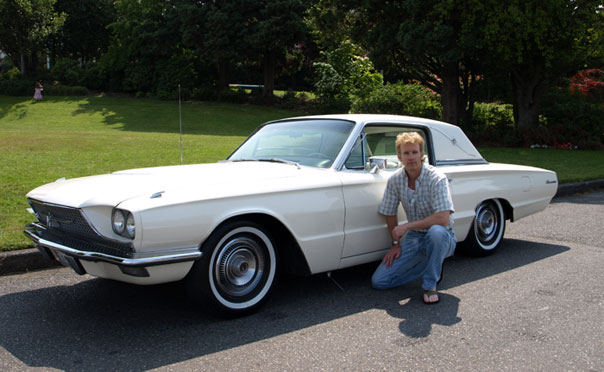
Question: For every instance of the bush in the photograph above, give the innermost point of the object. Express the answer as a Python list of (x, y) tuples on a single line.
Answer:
[(400, 99), (26, 88), (568, 118), (178, 70), (238, 95), (67, 71), (590, 83), (17, 87), (65, 90), (493, 124), (12, 74), (343, 76)]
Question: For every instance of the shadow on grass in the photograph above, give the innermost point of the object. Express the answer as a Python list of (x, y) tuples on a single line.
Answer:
[(103, 325), (203, 118), (151, 115)]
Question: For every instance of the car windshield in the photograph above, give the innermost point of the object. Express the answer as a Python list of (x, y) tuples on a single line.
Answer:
[(314, 143)]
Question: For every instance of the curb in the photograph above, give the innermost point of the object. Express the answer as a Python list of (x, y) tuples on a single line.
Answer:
[(578, 187), (25, 260)]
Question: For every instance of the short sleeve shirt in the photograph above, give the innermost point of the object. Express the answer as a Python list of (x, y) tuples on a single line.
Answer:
[(432, 195)]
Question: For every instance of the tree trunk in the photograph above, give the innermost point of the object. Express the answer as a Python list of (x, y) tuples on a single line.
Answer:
[(527, 85), (223, 76), (22, 62), (269, 74), (451, 95)]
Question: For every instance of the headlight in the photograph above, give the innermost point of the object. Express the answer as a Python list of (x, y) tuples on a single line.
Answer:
[(130, 226), (123, 223)]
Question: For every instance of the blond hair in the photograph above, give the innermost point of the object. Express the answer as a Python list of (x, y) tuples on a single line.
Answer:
[(413, 138)]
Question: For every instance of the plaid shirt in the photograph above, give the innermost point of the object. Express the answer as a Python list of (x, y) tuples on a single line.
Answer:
[(432, 195)]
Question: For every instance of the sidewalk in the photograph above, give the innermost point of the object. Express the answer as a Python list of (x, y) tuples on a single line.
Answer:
[(30, 259)]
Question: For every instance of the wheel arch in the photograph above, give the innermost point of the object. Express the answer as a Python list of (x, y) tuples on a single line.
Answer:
[(291, 258), (508, 210)]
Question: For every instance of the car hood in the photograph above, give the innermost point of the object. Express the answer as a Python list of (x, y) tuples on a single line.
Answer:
[(200, 180)]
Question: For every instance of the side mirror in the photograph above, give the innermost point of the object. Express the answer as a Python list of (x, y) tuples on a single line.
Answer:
[(377, 162)]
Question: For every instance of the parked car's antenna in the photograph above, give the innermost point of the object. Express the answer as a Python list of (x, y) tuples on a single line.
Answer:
[(180, 121)]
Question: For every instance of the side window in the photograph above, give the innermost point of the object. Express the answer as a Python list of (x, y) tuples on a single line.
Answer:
[(359, 155), (379, 148)]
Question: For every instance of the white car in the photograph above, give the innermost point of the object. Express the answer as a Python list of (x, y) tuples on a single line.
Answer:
[(299, 195)]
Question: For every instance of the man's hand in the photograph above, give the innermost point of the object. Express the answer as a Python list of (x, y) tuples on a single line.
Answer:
[(399, 231), (393, 254)]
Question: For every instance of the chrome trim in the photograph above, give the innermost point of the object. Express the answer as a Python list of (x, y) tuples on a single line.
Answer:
[(189, 254), (460, 162)]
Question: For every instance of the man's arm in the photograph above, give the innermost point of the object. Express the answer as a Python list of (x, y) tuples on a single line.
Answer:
[(438, 218), (395, 251)]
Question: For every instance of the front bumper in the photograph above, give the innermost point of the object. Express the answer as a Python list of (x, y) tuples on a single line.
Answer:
[(54, 247)]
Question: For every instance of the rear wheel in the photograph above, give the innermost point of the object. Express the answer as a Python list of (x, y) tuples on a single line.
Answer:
[(237, 271), (487, 229)]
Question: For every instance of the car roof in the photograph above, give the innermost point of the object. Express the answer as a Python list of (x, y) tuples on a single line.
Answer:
[(450, 144)]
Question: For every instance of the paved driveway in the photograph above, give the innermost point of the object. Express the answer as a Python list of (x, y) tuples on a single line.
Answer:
[(535, 305)]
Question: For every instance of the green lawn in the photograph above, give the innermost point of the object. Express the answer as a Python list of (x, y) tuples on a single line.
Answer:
[(571, 166), (72, 137)]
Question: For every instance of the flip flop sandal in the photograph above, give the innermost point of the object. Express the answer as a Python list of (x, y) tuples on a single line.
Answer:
[(428, 294)]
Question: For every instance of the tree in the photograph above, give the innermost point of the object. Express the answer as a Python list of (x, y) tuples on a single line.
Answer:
[(436, 43), (93, 16), (142, 46), (279, 26), (537, 42), (26, 27), (215, 31)]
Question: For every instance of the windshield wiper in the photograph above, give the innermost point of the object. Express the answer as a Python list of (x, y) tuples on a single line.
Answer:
[(270, 160), (277, 160)]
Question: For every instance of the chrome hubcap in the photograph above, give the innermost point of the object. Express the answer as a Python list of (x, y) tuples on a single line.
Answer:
[(239, 266), (487, 223)]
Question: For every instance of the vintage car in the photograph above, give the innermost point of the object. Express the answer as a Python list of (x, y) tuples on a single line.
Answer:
[(300, 195)]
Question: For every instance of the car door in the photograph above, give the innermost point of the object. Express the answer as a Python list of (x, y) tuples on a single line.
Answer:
[(364, 176)]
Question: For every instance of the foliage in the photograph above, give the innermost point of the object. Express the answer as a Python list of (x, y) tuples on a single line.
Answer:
[(84, 35), (537, 41), (26, 88), (568, 118), (67, 71), (493, 125), (589, 83), (26, 28), (424, 41), (176, 72), (344, 76), (277, 28), (12, 74), (400, 99)]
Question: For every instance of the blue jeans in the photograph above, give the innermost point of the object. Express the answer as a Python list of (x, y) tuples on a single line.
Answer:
[(422, 256)]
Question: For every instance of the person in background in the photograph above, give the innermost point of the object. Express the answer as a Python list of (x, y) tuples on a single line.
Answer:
[(428, 233), (38, 92)]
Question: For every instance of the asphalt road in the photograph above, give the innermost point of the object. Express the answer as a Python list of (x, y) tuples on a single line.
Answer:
[(536, 305)]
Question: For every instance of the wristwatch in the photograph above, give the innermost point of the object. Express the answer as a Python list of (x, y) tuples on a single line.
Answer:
[(395, 242)]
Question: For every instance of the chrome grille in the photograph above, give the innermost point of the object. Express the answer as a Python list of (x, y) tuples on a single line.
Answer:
[(64, 219), (69, 226)]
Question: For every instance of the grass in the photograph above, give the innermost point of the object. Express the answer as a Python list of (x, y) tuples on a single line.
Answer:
[(571, 166), (73, 137)]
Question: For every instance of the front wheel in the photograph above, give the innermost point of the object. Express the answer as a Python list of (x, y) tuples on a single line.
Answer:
[(237, 271), (487, 229)]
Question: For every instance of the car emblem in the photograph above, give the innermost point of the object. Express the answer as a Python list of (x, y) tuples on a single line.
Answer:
[(52, 221)]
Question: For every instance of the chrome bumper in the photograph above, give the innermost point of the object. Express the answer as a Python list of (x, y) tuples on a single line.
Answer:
[(49, 249)]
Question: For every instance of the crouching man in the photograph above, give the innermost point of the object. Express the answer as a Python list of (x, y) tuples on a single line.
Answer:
[(420, 245)]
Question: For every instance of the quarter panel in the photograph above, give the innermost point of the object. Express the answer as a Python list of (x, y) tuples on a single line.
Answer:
[(525, 188)]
